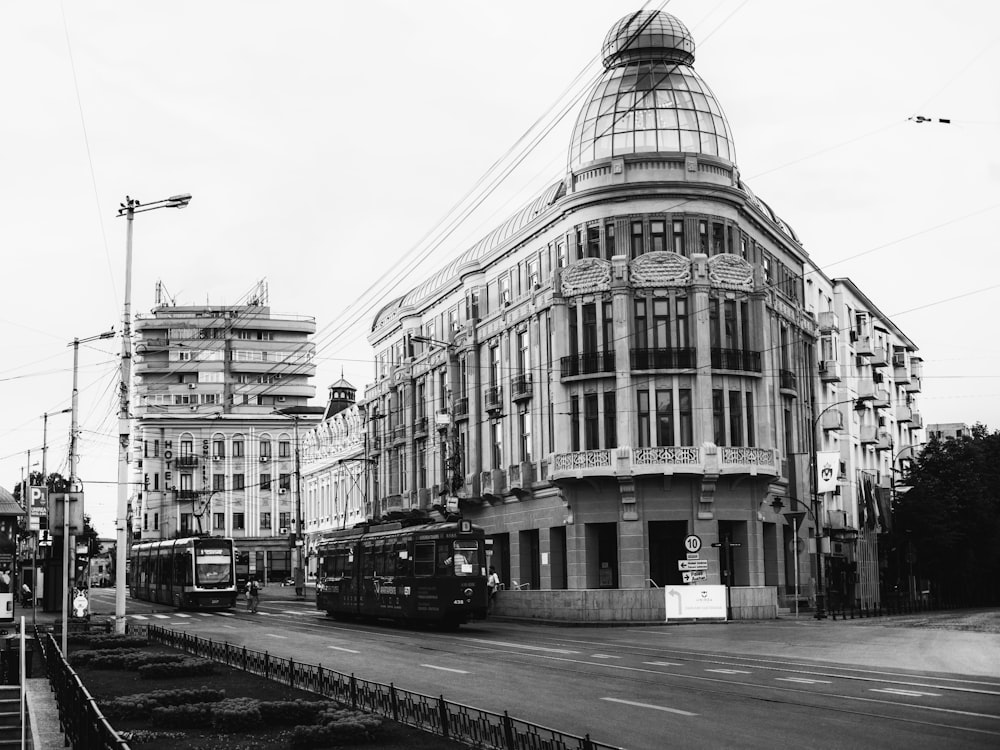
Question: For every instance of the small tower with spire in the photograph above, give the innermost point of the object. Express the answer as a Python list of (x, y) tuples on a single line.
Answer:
[(342, 395)]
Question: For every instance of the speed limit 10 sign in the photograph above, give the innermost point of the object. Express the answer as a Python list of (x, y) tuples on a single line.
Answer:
[(692, 543)]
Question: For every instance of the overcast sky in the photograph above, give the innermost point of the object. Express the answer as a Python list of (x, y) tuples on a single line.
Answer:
[(325, 142)]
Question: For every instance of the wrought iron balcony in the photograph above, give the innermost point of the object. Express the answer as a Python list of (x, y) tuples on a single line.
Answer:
[(788, 382), (744, 360), (673, 358), (590, 363), (420, 426), (185, 461), (462, 407), (494, 398), (520, 387)]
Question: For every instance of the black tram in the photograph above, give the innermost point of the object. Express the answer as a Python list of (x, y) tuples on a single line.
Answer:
[(413, 571), (189, 573)]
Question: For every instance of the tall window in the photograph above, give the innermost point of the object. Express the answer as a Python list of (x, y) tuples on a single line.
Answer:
[(665, 417), (238, 521), (593, 242), (218, 481), (574, 423), (718, 417), (751, 441), (703, 236), (187, 447), (642, 407), (496, 430), (730, 330), (677, 236), (609, 240), (718, 238), (219, 448), (524, 427), (682, 322), (265, 448), (218, 521), (589, 328), (494, 366), (187, 482), (609, 327), (522, 352), (661, 323), (420, 448), (640, 324), (562, 260), (713, 324), (592, 435), (284, 449), (610, 420), (237, 481), (735, 418), (237, 449), (265, 481), (685, 415), (657, 236), (265, 520), (636, 239)]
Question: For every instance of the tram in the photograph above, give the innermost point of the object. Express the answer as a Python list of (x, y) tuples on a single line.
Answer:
[(415, 571), (188, 573)]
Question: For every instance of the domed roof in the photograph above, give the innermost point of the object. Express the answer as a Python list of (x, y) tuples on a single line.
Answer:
[(649, 98)]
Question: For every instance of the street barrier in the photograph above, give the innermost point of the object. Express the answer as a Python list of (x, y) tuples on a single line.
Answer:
[(455, 721), (82, 722)]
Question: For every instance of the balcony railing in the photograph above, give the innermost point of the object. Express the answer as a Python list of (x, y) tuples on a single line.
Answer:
[(787, 381), (591, 363), (674, 358), (183, 461), (736, 359), (399, 433), (670, 459), (420, 426), (462, 407), (520, 386), (494, 398), (663, 455)]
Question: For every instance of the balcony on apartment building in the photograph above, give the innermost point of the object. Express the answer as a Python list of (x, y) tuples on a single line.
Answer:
[(461, 409), (829, 371), (876, 436), (864, 346), (185, 461), (492, 483), (914, 386), (589, 363), (904, 414), (788, 383), (671, 358), (664, 460), (881, 399), (493, 398), (420, 426), (832, 420), (520, 387), (900, 372), (741, 360), (916, 421), (879, 357), (398, 434), (828, 322), (520, 477)]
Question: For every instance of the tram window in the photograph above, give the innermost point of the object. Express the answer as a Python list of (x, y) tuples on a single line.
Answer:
[(469, 551), (212, 567), (182, 569), (423, 559)]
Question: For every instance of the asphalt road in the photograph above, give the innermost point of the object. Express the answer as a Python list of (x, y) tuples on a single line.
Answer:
[(800, 684)]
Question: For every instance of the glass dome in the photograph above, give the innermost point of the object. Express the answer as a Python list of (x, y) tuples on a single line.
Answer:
[(649, 98)]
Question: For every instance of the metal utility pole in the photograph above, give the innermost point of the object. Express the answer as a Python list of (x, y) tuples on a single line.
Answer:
[(129, 209)]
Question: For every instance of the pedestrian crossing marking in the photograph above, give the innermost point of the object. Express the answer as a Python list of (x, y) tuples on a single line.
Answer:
[(181, 614)]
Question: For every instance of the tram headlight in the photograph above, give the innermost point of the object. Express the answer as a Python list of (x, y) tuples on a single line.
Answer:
[(468, 593)]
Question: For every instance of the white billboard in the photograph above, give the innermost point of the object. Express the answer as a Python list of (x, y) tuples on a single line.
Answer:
[(695, 602)]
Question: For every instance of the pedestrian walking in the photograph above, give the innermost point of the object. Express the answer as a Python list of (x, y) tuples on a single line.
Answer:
[(492, 585), (253, 595)]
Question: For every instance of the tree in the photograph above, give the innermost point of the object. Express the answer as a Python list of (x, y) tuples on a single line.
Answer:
[(948, 523)]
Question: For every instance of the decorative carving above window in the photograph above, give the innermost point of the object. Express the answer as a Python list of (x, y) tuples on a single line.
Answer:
[(586, 276), (730, 272), (659, 269)]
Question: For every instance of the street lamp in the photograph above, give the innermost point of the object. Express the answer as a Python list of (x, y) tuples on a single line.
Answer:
[(129, 209), (68, 563), (814, 484)]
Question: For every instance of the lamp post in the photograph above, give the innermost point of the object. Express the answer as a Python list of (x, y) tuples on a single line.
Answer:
[(816, 515), (129, 209), (453, 462), (73, 487), (910, 584)]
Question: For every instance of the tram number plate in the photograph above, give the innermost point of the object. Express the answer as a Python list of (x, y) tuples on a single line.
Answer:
[(213, 601)]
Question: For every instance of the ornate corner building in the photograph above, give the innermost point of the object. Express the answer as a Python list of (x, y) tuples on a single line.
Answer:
[(631, 358)]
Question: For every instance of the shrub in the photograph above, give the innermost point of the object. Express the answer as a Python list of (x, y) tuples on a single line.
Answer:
[(292, 712), (122, 658), (182, 667), (190, 715), (236, 715), (336, 727), (141, 705), (105, 640)]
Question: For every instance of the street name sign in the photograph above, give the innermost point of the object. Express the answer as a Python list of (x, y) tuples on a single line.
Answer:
[(692, 576), (692, 565)]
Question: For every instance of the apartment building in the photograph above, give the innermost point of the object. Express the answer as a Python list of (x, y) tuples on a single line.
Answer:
[(219, 397)]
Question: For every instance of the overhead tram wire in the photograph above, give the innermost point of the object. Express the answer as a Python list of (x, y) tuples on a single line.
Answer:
[(450, 223)]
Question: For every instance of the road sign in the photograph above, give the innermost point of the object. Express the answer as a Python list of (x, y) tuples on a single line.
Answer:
[(692, 543), (39, 501), (692, 565), (694, 575)]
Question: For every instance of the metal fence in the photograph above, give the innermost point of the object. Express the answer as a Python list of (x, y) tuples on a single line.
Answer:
[(79, 718), (480, 729)]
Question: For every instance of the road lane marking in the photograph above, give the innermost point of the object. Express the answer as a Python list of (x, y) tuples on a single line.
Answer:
[(275, 635), (341, 648), (225, 614), (162, 617), (139, 617), (181, 614), (728, 671), (525, 646), (663, 663), (604, 656), (650, 705), (804, 680), (445, 669), (907, 693)]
